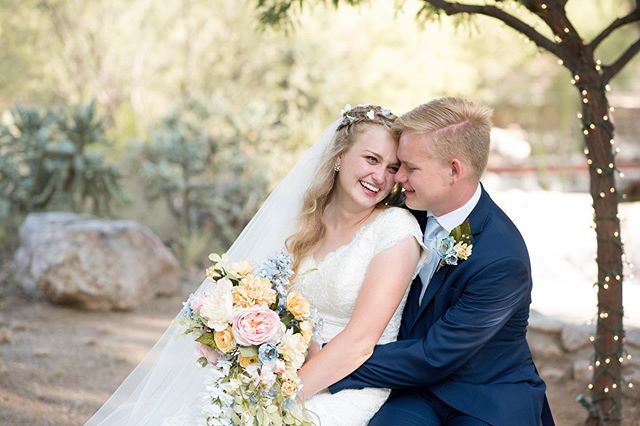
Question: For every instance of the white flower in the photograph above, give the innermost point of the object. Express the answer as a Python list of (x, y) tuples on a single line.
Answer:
[(267, 377), (371, 114), (346, 109), (217, 307)]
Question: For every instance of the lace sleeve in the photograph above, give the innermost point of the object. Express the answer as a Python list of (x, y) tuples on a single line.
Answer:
[(397, 225)]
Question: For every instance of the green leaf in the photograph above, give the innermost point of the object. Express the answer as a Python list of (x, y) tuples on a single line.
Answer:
[(462, 232), (248, 350), (207, 339)]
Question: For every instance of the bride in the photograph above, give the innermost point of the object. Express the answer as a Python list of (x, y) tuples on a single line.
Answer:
[(361, 256)]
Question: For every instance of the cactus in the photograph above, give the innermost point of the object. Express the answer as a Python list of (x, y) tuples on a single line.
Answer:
[(48, 160)]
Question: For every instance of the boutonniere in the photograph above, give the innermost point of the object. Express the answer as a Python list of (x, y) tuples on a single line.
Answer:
[(455, 246)]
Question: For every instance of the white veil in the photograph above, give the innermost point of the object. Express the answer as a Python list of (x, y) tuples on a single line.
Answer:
[(168, 382)]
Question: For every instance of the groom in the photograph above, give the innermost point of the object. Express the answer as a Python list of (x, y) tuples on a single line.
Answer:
[(462, 356)]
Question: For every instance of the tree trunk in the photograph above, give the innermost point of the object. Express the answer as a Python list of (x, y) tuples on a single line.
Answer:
[(600, 152)]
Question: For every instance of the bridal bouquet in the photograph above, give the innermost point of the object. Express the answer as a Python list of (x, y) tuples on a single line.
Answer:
[(254, 334)]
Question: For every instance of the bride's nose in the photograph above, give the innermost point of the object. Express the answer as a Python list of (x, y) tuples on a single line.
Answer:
[(378, 174)]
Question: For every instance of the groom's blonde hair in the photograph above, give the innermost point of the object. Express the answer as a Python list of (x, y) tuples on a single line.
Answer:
[(457, 128)]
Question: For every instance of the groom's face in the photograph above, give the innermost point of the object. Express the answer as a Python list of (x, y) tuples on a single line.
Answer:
[(425, 179)]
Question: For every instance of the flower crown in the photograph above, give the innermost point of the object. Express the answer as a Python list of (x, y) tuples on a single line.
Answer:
[(365, 113)]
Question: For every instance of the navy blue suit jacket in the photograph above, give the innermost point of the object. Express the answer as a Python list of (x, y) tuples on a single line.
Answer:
[(466, 343)]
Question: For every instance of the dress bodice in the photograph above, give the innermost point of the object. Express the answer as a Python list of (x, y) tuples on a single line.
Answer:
[(332, 284)]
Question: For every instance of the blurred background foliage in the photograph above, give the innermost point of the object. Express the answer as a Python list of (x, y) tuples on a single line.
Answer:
[(203, 111)]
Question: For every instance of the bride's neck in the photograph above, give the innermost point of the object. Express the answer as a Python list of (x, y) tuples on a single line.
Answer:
[(339, 217)]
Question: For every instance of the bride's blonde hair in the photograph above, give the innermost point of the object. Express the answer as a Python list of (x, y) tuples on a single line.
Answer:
[(311, 229)]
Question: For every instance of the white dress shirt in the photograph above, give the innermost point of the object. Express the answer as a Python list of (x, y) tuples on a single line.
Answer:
[(447, 222)]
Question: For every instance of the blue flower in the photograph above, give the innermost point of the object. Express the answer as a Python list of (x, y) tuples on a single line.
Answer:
[(451, 259), (267, 353), (186, 311), (444, 246)]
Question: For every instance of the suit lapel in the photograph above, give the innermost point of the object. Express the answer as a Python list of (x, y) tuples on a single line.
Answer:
[(477, 219), (430, 292)]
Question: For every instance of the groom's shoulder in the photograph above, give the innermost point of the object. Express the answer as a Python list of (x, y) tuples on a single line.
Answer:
[(500, 231)]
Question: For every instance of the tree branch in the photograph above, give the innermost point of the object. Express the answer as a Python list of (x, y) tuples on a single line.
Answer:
[(633, 16), (610, 71), (454, 8)]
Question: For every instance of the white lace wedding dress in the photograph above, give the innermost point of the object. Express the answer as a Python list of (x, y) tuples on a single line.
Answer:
[(332, 286)]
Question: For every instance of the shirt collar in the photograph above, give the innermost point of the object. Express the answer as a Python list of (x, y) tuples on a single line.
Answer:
[(452, 219)]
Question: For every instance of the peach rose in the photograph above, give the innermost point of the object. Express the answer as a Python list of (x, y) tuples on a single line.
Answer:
[(256, 325), (224, 340), (246, 361)]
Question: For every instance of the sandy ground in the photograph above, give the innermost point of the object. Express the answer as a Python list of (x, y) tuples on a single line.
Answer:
[(59, 364)]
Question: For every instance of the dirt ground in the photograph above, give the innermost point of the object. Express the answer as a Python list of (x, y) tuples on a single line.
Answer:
[(59, 364)]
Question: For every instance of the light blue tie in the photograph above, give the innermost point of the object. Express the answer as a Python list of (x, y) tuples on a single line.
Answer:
[(430, 233)]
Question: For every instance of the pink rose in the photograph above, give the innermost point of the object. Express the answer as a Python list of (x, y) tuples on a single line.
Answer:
[(255, 325), (206, 351), (198, 301), (280, 367)]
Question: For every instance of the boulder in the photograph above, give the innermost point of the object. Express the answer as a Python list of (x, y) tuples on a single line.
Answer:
[(575, 337), (544, 345), (539, 322), (92, 263)]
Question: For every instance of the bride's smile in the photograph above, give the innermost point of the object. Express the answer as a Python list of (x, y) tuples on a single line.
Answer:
[(367, 169)]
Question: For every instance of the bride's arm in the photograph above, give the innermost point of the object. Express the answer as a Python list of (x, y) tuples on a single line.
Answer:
[(385, 282)]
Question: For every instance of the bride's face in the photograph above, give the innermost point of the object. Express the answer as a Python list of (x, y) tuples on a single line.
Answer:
[(367, 169)]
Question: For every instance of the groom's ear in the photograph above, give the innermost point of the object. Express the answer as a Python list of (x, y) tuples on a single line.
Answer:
[(457, 170)]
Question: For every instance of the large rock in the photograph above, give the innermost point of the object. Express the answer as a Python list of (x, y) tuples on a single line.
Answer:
[(92, 263), (575, 337)]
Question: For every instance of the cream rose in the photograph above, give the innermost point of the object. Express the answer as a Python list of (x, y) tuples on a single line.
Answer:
[(217, 305), (293, 347)]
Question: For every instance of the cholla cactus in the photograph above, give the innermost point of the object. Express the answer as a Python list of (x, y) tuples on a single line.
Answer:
[(48, 161), (207, 182)]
